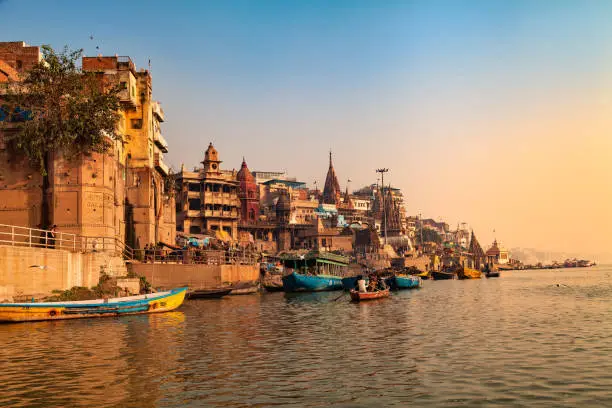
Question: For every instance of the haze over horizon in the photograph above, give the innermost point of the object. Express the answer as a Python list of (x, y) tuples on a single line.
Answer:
[(497, 114)]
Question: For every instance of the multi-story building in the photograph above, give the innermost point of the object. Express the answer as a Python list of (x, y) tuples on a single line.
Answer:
[(263, 176), (207, 199), (123, 193), (150, 216)]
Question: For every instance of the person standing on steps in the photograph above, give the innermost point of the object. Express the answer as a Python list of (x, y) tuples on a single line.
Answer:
[(51, 235)]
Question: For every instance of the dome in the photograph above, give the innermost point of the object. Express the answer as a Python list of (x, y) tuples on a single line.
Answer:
[(211, 153), (284, 202)]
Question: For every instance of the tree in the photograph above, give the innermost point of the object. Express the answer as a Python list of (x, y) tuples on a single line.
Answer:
[(56, 108), (429, 235)]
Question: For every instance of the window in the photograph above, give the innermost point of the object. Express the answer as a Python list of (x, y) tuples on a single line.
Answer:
[(123, 85), (19, 64), (194, 187), (195, 204), (136, 123), (194, 229)]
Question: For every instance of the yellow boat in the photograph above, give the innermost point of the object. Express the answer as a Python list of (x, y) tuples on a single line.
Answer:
[(424, 275), (150, 303), (469, 273)]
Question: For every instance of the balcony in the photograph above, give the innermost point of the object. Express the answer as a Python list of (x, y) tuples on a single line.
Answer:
[(158, 111), (127, 94), (160, 141), (160, 165)]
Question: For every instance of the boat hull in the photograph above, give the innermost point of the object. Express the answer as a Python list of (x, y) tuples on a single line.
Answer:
[(152, 303), (443, 275), (272, 283), (208, 294), (469, 273), (357, 296), (492, 274), (406, 282), (296, 282)]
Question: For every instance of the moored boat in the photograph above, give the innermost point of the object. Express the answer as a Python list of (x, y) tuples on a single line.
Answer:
[(313, 271), (149, 303), (424, 275), (245, 288), (272, 283), (405, 282), (208, 293), (492, 274), (442, 275), (297, 282), (357, 296), (468, 273)]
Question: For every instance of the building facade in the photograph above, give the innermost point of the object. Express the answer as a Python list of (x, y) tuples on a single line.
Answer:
[(123, 193), (207, 199)]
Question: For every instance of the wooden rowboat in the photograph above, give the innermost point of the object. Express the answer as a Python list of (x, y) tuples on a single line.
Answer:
[(150, 303), (208, 293), (357, 296)]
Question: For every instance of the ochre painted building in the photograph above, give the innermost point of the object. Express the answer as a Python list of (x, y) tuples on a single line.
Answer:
[(123, 193), (207, 199)]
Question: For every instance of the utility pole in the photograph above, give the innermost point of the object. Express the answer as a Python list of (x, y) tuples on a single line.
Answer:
[(421, 225), (382, 182)]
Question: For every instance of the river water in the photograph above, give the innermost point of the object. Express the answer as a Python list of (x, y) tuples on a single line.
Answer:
[(529, 338)]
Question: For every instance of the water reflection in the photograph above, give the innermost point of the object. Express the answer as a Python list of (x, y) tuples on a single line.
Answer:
[(527, 338)]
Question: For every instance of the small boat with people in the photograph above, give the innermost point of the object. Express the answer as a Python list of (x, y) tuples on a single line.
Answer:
[(374, 289), (314, 271), (491, 272), (357, 296), (39, 311)]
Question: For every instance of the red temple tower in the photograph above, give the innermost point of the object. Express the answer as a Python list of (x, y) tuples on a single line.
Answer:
[(248, 195)]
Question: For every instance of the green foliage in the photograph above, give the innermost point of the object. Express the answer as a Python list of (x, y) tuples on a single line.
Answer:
[(429, 235), (69, 111)]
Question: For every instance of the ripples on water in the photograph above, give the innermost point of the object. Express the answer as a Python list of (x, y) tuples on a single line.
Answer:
[(531, 338)]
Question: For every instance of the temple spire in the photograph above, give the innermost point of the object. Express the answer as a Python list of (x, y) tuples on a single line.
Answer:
[(331, 191)]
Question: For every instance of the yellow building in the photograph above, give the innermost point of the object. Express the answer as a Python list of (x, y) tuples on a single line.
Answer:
[(123, 193), (149, 212)]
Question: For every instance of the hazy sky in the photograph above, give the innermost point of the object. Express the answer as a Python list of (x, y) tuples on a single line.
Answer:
[(496, 113)]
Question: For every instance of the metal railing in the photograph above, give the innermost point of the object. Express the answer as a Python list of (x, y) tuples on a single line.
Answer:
[(197, 256), (40, 238)]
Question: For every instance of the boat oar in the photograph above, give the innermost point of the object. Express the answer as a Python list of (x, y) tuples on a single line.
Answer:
[(343, 293)]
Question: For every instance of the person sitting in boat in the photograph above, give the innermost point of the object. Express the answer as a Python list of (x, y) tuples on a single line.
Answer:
[(373, 284)]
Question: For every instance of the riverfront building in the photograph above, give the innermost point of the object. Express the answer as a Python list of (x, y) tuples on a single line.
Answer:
[(207, 199), (123, 193)]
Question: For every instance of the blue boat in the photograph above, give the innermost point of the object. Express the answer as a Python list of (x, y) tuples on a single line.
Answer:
[(313, 272), (297, 282), (400, 282)]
